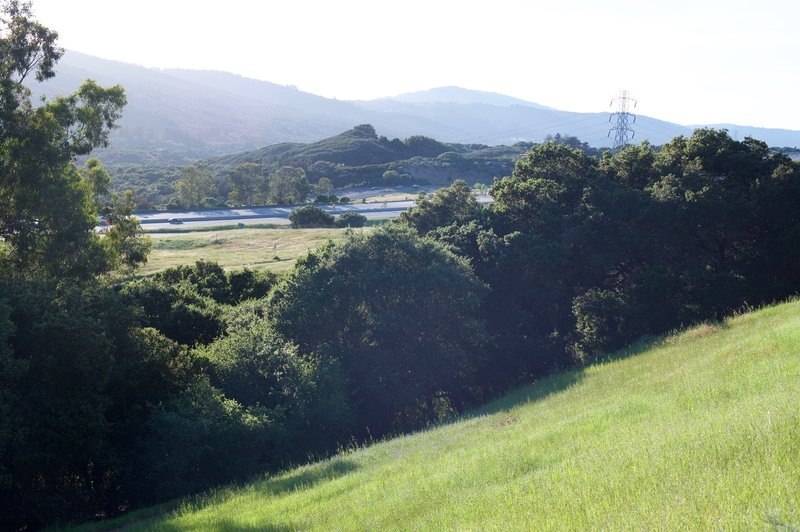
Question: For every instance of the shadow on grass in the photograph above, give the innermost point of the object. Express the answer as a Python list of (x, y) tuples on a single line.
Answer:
[(231, 525), (535, 391), (274, 485), (307, 477), (563, 380)]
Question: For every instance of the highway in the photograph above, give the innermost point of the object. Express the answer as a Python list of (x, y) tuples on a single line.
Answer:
[(268, 215), (277, 215)]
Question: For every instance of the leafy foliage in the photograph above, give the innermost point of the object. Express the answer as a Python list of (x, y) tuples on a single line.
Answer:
[(196, 188), (288, 186), (49, 206), (351, 219), (400, 314), (310, 216), (452, 205)]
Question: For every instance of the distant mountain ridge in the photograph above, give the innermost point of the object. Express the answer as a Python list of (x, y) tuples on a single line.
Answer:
[(180, 116), (460, 95)]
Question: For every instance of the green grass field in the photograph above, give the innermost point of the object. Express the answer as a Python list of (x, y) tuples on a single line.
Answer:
[(699, 431), (236, 248)]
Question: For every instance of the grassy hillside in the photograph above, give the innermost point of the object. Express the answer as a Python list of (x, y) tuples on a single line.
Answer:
[(700, 430)]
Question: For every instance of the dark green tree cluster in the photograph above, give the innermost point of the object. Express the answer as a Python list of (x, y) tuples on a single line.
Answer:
[(398, 313), (311, 216), (584, 255), (114, 398)]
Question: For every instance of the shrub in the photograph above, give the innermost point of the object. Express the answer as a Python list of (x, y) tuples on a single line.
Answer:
[(310, 216), (410, 311), (351, 219)]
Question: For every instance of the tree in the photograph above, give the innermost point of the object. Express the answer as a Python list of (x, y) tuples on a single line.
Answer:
[(47, 212), (196, 187), (454, 204), (324, 187), (127, 243), (399, 312), (288, 185), (351, 219), (310, 216), (249, 184)]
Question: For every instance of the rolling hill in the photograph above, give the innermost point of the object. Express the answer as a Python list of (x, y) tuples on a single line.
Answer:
[(360, 156), (697, 430), (181, 116)]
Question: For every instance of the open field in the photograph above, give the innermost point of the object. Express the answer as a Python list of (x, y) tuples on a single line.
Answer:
[(699, 430), (392, 196), (237, 248)]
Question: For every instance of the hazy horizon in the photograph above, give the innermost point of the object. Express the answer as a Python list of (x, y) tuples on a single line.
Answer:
[(719, 62)]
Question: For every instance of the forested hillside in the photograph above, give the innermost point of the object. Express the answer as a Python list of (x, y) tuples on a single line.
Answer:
[(357, 157)]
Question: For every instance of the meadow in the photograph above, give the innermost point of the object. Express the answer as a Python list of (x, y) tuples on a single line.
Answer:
[(696, 430), (274, 249)]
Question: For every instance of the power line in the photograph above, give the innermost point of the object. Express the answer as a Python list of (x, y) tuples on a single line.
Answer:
[(623, 132)]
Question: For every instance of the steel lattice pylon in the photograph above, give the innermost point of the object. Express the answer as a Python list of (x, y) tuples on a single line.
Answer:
[(623, 132)]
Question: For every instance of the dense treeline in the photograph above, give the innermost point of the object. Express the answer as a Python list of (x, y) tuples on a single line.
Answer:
[(116, 394), (584, 255), (357, 157)]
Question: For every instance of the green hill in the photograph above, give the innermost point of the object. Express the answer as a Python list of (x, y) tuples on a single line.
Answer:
[(699, 430), (360, 156)]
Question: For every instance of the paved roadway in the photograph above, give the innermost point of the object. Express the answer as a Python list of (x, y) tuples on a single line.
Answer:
[(156, 220), (274, 215)]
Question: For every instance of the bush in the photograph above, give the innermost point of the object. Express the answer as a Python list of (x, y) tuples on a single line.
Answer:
[(351, 219), (310, 216), (326, 198), (177, 310), (410, 311), (201, 438)]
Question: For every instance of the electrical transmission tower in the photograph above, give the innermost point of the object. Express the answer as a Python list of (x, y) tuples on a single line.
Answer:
[(623, 132)]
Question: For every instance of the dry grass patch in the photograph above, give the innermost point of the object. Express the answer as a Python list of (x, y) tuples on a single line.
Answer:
[(257, 249)]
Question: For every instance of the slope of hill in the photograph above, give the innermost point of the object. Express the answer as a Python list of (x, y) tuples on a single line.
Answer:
[(699, 430), (360, 156), (181, 116), (462, 96), (357, 156)]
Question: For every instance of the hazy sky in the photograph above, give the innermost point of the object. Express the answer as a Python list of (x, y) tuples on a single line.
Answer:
[(687, 61)]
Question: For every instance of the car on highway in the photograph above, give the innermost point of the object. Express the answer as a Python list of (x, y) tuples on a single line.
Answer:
[(175, 221)]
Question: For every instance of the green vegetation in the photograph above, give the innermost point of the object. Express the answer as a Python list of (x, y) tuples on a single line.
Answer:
[(49, 205), (117, 393), (281, 173), (310, 216), (410, 308), (255, 249), (698, 430)]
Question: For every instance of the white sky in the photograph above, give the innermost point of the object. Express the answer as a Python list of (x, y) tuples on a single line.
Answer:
[(686, 61)]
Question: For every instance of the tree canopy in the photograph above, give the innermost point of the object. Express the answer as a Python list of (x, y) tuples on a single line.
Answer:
[(401, 314), (48, 209)]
